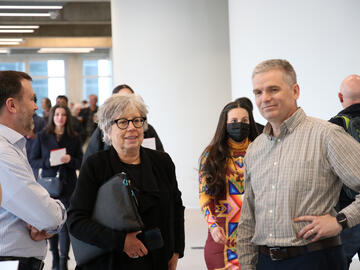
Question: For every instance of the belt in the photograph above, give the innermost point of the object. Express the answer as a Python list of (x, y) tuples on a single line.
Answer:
[(30, 263), (283, 253)]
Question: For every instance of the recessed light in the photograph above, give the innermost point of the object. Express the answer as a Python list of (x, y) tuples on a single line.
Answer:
[(16, 30), (11, 39), (65, 50), (31, 7), (9, 42), (13, 14), (19, 26)]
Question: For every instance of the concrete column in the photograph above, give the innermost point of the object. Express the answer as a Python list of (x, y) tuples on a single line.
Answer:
[(175, 54)]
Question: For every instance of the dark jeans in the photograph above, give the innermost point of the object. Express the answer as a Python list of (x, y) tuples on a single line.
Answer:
[(350, 239), (329, 259), (64, 238)]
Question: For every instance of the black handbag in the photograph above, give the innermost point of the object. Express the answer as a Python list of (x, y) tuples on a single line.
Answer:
[(115, 208), (52, 184)]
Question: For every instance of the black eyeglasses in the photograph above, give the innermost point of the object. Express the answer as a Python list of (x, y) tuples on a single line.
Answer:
[(123, 123)]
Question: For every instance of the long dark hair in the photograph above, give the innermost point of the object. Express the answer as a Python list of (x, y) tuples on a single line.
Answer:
[(50, 127), (215, 164)]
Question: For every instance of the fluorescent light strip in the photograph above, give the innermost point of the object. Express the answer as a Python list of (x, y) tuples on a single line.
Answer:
[(19, 26), (31, 7), (25, 14), (17, 31), (65, 50), (4, 50), (11, 39), (9, 42)]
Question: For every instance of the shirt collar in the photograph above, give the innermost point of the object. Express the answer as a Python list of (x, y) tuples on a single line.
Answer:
[(289, 125), (12, 136)]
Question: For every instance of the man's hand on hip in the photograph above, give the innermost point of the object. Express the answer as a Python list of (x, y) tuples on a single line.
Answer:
[(320, 227)]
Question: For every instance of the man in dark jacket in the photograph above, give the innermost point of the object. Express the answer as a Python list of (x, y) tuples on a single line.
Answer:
[(349, 97), (96, 143)]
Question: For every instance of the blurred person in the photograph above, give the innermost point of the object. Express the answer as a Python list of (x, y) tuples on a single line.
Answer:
[(59, 134), (46, 106), (259, 127), (86, 117), (96, 142), (122, 119), (84, 103), (76, 110), (71, 106), (293, 176), (349, 97), (75, 121), (221, 182), (62, 99), (28, 215)]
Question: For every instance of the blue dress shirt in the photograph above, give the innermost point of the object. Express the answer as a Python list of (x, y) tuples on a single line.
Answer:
[(24, 201)]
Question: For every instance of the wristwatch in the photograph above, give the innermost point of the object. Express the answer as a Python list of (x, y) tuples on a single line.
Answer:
[(342, 220)]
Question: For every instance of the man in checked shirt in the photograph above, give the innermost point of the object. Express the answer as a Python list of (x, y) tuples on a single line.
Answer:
[(293, 176)]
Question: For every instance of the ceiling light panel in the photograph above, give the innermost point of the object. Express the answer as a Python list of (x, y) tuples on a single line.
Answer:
[(9, 42), (19, 26), (16, 14), (65, 50), (11, 39), (30, 7), (17, 30)]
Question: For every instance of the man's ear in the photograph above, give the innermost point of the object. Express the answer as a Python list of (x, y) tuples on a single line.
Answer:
[(296, 90), (11, 105), (341, 98)]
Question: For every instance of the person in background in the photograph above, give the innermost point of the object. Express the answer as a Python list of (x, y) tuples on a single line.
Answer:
[(221, 183), (46, 106), (122, 119), (259, 127), (293, 176), (39, 124), (349, 97), (86, 117), (59, 134), (84, 104), (96, 142), (28, 215), (75, 122)]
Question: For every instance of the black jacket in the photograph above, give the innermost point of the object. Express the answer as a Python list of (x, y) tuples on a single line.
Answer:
[(97, 144), (40, 155), (352, 111), (161, 206)]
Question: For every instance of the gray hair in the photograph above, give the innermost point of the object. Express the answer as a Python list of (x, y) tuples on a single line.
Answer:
[(289, 74), (115, 105)]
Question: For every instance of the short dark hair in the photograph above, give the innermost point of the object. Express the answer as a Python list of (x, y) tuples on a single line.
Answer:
[(10, 84), (122, 86), (62, 97)]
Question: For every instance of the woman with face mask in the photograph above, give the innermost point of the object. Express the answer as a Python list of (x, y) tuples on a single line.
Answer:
[(221, 183)]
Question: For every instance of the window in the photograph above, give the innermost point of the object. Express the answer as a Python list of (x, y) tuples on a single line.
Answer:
[(48, 79), (18, 66), (97, 79)]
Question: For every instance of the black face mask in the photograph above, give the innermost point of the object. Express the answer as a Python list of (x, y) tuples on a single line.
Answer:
[(238, 131)]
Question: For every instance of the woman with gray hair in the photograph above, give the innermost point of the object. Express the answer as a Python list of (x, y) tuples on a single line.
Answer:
[(122, 119)]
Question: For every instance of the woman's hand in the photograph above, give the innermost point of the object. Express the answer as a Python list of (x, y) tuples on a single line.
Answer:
[(172, 264), (66, 158), (133, 247), (218, 235)]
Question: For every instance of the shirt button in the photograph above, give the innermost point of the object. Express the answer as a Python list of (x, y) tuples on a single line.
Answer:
[(270, 234), (273, 186), (270, 211), (279, 140), (275, 163)]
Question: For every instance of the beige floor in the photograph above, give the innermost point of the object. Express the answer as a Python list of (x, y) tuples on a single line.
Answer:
[(196, 233)]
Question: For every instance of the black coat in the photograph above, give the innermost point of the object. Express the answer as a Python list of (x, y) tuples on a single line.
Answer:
[(161, 206), (40, 155)]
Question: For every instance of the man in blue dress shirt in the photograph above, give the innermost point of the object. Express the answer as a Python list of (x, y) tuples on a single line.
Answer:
[(27, 214)]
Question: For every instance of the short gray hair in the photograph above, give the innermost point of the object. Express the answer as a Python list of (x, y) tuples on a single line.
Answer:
[(115, 105), (280, 64)]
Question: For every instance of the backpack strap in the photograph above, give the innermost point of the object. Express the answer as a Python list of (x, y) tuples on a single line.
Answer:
[(346, 120)]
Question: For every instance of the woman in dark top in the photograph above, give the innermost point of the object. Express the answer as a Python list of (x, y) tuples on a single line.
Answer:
[(122, 118), (58, 134)]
